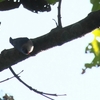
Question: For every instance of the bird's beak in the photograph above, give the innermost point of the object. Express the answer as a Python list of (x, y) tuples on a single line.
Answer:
[(31, 50)]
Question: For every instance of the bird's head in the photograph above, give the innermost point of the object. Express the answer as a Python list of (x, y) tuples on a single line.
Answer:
[(27, 49)]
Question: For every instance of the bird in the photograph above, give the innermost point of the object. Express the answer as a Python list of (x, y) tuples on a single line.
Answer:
[(23, 44)]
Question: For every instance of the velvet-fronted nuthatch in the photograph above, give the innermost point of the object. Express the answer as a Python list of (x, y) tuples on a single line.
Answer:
[(24, 45)]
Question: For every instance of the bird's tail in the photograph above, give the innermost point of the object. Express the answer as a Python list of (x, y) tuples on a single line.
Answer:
[(11, 40)]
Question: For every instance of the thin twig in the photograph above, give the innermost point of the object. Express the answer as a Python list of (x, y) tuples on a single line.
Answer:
[(59, 14), (55, 22), (11, 77), (39, 92)]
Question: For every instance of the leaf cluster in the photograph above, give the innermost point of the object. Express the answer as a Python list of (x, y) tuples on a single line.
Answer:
[(6, 97), (94, 47), (96, 5), (32, 5)]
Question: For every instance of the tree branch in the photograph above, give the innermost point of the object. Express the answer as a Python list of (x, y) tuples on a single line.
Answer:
[(11, 77), (39, 92), (59, 14), (56, 37)]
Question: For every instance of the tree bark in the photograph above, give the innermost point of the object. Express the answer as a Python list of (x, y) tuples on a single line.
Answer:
[(56, 37)]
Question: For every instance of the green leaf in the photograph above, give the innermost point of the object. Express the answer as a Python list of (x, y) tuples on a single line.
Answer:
[(52, 1), (87, 65), (96, 5), (94, 47), (2, 0), (93, 1)]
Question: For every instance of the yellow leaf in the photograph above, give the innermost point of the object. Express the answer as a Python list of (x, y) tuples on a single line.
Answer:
[(95, 46), (95, 42), (96, 32)]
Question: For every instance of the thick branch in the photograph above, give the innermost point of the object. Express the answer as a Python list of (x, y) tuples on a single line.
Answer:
[(55, 37)]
